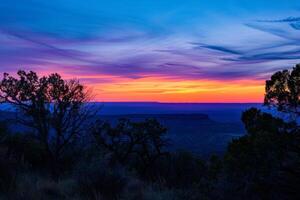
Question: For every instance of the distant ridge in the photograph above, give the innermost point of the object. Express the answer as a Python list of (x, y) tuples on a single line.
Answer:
[(178, 116)]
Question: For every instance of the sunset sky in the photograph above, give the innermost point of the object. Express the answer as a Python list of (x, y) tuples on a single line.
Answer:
[(154, 50)]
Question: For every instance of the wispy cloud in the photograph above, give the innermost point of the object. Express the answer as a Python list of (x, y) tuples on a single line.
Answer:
[(102, 44), (288, 19)]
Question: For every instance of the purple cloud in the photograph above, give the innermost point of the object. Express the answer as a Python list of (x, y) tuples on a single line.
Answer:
[(141, 53)]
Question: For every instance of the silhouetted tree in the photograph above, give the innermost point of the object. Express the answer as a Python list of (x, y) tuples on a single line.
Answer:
[(283, 90), (256, 121), (145, 141), (254, 163), (54, 108), (264, 164)]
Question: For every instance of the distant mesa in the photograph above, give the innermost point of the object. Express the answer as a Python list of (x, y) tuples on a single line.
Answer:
[(161, 116)]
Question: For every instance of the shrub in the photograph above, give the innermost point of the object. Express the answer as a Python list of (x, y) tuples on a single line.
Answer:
[(99, 182), (138, 144), (35, 187)]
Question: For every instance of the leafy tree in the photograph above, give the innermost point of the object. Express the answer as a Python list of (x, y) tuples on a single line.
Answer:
[(254, 162), (54, 108), (256, 121), (264, 164), (259, 165), (145, 141), (283, 90)]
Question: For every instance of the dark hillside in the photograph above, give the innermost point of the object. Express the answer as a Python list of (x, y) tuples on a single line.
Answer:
[(192, 132)]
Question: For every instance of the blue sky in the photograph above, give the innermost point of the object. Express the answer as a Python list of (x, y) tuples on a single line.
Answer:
[(218, 40)]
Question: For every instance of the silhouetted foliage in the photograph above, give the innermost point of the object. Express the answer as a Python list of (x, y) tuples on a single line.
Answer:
[(256, 121), (131, 159), (140, 143), (264, 164), (102, 183), (54, 108), (255, 163), (283, 90), (179, 170)]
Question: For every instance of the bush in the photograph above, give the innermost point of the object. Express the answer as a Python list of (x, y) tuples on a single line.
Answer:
[(180, 169), (36, 187), (138, 145), (99, 182), (254, 163)]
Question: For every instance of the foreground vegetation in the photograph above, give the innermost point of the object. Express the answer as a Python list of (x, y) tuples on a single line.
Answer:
[(64, 152)]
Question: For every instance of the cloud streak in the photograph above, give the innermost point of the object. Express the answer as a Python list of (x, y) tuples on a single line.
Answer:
[(105, 44)]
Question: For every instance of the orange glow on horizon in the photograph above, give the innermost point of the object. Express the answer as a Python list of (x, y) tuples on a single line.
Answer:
[(108, 88), (173, 90)]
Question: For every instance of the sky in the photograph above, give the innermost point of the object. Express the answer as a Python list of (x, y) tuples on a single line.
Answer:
[(154, 50)]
